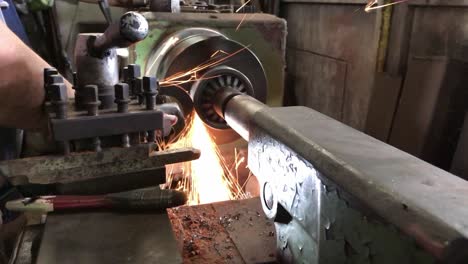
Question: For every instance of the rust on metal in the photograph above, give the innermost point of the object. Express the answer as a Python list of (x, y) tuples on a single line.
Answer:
[(225, 232)]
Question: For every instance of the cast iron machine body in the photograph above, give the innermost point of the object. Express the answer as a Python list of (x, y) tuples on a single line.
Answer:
[(337, 195)]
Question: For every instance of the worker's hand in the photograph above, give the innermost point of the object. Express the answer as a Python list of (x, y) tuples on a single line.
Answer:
[(168, 121)]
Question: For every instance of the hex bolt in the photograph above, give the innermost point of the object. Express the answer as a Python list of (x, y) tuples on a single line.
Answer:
[(58, 101), (58, 98), (55, 78), (49, 80), (48, 72), (91, 102), (138, 85), (122, 99), (91, 99), (133, 74), (134, 71), (150, 88)]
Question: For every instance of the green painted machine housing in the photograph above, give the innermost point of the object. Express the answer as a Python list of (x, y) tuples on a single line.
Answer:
[(265, 36)]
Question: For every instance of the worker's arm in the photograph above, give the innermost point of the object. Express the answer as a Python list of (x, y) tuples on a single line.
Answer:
[(21, 83)]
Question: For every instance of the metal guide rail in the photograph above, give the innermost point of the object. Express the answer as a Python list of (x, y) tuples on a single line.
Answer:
[(339, 196)]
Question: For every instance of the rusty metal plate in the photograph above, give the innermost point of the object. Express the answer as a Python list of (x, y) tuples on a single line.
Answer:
[(225, 232)]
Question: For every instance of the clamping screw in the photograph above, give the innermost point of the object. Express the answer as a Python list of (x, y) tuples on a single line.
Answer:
[(51, 79), (137, 89), (91, 99), (48, 72), (91, 102), (122, 99), (133, 71), (132, 74), (58, 100), (48, 81), (150, 88)]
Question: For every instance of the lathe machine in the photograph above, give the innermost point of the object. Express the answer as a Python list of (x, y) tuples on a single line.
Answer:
[(335, 195)]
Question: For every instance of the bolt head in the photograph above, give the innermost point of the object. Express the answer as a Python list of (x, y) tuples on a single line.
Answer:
[(150, 84), (48, 72), (121, 92), (54, 79), (137, 86), (90, 94), (133, 71), (58, 92)]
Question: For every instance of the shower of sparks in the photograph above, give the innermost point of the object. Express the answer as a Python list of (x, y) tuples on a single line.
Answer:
[(192, 78), (373, 4), (210, 178), (191, 75)]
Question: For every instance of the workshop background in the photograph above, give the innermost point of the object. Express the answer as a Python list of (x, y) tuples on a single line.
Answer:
[(396, 73)]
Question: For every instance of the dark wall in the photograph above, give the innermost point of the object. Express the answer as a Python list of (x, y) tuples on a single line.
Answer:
[(400, 75), (331, 57)]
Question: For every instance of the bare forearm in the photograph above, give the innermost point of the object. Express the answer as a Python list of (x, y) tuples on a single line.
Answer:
[(21, 83)]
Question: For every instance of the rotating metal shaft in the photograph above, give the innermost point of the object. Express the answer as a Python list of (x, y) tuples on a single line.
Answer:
[(237, 110)]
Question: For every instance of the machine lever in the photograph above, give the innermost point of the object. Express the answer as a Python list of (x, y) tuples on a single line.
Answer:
[(105, 9), (131, 28)]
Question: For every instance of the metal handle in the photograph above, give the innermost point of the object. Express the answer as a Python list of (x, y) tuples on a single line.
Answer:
[(131, 28), (105, 9)]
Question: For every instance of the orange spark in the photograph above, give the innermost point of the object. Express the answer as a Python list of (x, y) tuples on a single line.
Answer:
[(373, 4), (218, 52), (192, 78), (242, 6), (190, 75), (242, 21)]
